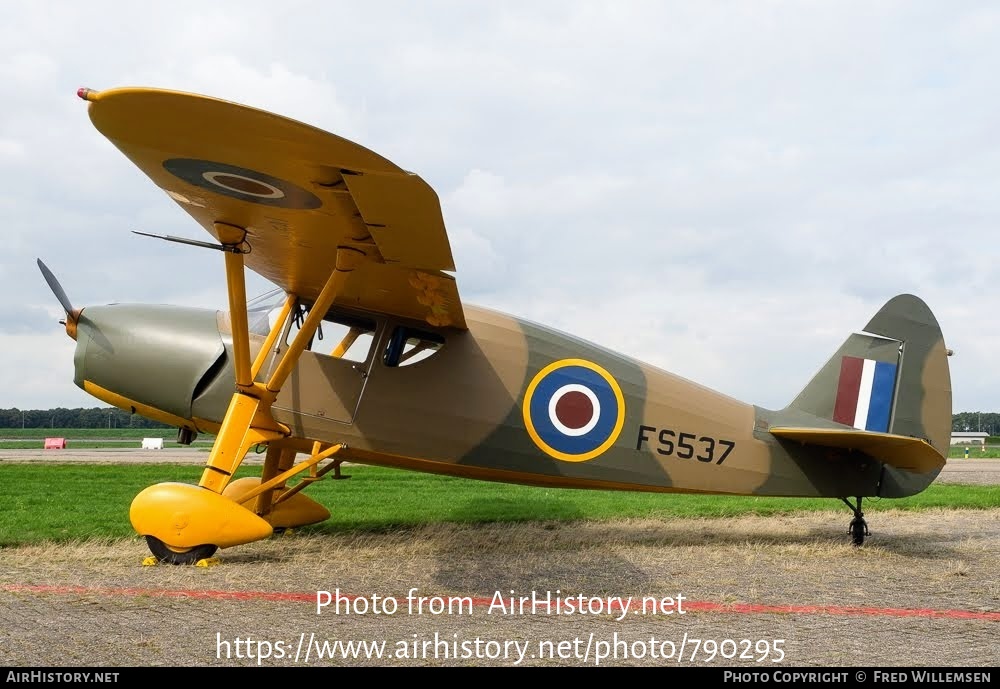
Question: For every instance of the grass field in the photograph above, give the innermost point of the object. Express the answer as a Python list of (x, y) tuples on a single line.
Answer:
[(102, 433), (91, 438), (96, 444), (72, 502), (958, 451)]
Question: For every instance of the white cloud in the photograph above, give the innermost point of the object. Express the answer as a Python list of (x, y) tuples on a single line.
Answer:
[(9, 148), (723, 190)]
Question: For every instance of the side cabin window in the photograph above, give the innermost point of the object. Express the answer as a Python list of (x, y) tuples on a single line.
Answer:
[(408, 346), (339, 336)]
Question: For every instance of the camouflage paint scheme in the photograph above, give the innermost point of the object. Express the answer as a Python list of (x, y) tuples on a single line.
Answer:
[(460, 411), (502, 399)]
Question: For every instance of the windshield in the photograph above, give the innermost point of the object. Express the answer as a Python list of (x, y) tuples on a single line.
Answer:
[(262, 309)]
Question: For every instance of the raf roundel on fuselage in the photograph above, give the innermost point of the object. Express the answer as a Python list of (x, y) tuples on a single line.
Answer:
[(574, 410)]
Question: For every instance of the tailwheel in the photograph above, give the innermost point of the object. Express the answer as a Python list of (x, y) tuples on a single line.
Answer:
[(178, 556), (858, 528)]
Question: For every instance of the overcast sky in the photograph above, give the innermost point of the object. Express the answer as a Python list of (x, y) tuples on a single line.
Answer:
[(722, 189)]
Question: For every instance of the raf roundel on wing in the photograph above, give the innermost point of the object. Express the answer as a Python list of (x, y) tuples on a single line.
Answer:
[(242, 183), (574, 410)]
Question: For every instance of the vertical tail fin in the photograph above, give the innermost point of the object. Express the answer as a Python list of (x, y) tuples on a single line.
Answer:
[(893, 378)]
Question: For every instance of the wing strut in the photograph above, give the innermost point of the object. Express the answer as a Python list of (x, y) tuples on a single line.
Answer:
[(236, 285), (248, 420)]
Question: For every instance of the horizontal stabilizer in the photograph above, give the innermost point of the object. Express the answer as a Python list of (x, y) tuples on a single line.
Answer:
[(900, 451)]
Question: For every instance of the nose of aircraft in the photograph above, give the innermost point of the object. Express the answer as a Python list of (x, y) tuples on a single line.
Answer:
[(153, 355), (156, 359)]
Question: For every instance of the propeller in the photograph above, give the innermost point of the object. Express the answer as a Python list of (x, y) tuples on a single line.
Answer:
[(72, 315)]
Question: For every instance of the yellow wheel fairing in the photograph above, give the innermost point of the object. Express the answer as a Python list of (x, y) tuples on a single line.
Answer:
[(574, 410), (183, 516)]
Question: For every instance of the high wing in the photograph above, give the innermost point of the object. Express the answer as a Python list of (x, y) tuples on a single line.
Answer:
[(299, 192)]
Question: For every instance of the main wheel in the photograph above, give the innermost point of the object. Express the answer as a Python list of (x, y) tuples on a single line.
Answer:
[(179, 556), (858, 531)]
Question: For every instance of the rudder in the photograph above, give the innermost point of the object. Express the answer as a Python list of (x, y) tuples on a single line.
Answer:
[(892, 378)]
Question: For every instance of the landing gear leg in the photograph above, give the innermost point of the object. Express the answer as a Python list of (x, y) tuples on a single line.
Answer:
[(181, 521), (859, 527)]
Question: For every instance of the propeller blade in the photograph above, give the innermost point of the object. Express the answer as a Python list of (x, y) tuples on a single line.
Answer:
[(56, 287), (72, 315)]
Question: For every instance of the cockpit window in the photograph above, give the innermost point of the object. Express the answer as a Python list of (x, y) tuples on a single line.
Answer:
[(339, 336), (408, 346)]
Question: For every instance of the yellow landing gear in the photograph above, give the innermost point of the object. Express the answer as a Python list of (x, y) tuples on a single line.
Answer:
[(186, 524), (288, 511)]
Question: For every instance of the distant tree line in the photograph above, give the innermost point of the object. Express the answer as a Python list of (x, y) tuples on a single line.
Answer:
[(95, 417), (986, 421)]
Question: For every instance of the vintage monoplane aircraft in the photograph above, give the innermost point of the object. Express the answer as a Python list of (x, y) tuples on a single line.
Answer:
[(368, 355)]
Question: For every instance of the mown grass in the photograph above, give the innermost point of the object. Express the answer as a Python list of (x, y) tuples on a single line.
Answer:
[(73, 444), (975, 451), (13, 433), (91, 438), (63, 502)]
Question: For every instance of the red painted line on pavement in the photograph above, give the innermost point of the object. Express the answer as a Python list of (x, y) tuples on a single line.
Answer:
[(692, 606)]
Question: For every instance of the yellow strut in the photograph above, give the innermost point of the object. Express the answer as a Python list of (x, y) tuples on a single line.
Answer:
[(265, 348), (236, 436), (305, 333), (248, 420), (297, 469), (347, 260), (313, 476), (237, 288), (272, 464), (349, 339)]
